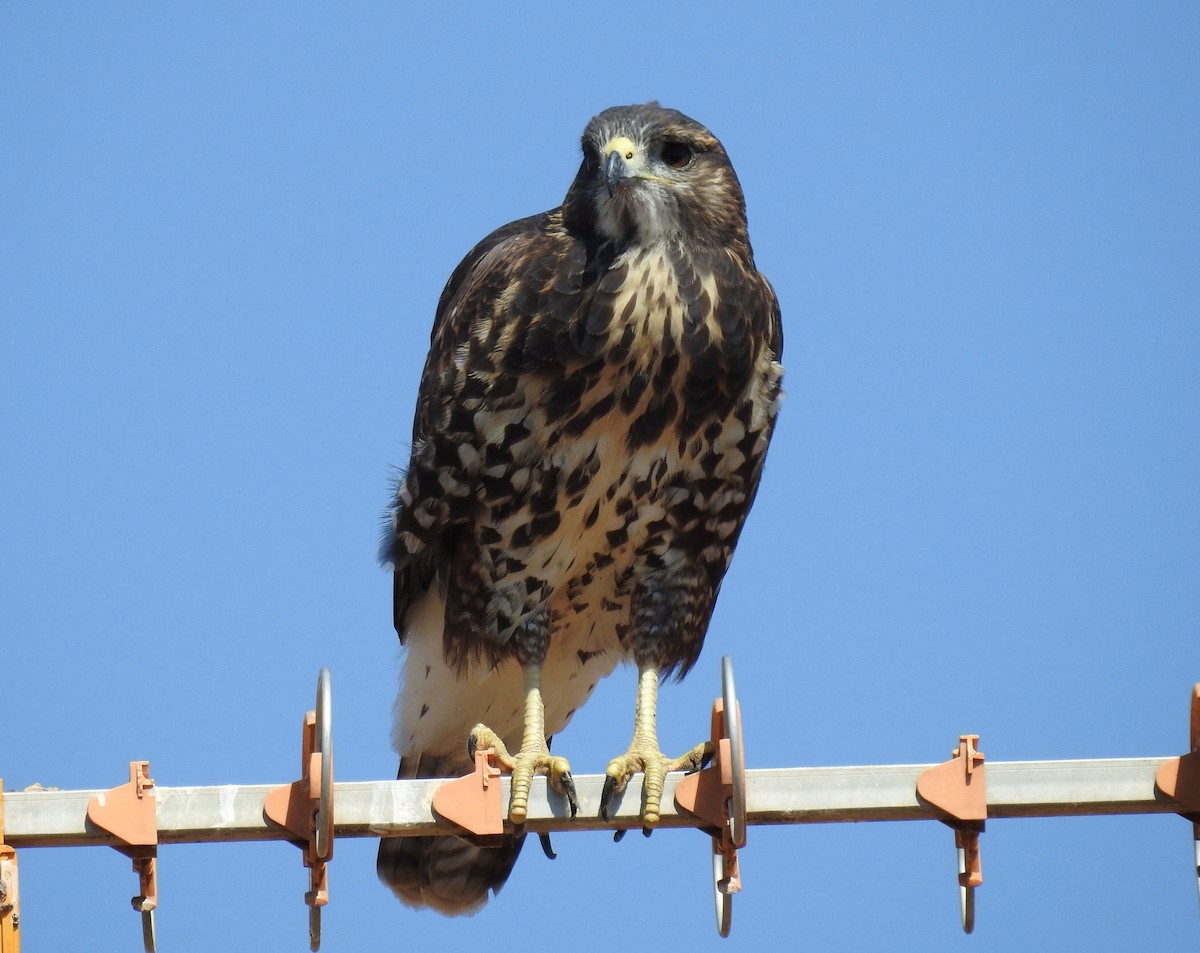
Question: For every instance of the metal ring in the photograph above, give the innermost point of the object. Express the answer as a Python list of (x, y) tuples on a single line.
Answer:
[(733, 730), (723, 900), (324, 738), (966, 895)]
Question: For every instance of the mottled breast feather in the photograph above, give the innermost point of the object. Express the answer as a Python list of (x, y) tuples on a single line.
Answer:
[(589, 437)]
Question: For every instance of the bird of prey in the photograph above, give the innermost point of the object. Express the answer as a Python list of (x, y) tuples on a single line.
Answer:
[(601, 387)]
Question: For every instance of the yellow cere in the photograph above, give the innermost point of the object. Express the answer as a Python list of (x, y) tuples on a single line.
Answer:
[(621, 144)]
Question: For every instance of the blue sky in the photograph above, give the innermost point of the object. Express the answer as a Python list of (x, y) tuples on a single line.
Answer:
[(223, 230)]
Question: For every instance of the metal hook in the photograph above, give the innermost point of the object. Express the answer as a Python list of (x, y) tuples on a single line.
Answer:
[(1196, 837), (717, 796), (147, 901), (305, 807), (969, 876)]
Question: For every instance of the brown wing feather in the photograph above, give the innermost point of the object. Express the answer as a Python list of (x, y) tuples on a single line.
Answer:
[(492, 284)]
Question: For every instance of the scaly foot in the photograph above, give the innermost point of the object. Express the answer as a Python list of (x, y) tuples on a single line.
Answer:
[(534, 758), (644, 755)]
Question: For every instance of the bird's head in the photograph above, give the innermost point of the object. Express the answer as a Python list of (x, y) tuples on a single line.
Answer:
[(650, 174)]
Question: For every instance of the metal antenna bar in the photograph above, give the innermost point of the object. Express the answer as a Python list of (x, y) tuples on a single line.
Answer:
[(234, 812)]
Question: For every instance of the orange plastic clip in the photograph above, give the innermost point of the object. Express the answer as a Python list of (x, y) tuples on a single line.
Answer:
[(473, 801), (1179, 779), (10, 898), (707, 793), (957, 790), (128, 813)]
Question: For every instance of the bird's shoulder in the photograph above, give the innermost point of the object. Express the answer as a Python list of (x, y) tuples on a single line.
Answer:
[(508, 256)]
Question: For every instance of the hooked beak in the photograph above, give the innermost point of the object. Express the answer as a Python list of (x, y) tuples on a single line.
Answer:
[(615, 169), (618, 153)]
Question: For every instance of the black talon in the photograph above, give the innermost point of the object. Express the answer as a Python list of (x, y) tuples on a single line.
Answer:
[(547, 849), (618, 835), (471, 747), (606, 795), (647, 831), (568, 784)]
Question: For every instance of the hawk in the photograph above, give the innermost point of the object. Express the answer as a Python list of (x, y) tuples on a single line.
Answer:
[(601, 386)]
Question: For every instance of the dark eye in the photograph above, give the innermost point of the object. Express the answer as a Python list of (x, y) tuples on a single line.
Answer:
[(676, 154)]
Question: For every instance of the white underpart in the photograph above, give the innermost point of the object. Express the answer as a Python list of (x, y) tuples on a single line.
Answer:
[(495, 697)]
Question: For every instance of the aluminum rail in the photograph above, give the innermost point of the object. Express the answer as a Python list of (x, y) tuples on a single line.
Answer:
[(234, 812)]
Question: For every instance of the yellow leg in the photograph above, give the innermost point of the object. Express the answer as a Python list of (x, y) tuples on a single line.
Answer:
[(644, 754), (534, 758)]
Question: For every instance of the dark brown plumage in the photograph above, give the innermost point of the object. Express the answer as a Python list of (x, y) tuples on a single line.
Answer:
[(600, 390)]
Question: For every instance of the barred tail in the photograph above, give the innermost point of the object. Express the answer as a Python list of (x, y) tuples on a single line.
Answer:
[(447, 874)]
